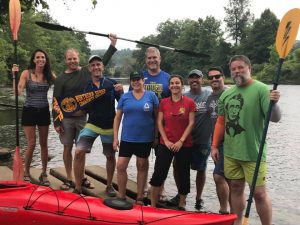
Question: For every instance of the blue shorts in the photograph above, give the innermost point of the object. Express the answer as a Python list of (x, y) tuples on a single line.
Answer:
[(219, 165), (87, 137), (200, 154)]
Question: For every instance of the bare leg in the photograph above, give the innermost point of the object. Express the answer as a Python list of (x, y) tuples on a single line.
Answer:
[(142, 171), (43, 136), (79, 161), (263, 205), (68, 158), (110, 168), (200, 182), (238, 200), (31, 142), (222, 189), (122, 175), (154, 195), (182, 201)]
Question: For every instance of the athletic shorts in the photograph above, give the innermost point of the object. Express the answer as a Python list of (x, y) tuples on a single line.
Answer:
[(35, 116), (236, 169), (87, 138), (141, 150), (200, 154), (219, 165), (72, 126)]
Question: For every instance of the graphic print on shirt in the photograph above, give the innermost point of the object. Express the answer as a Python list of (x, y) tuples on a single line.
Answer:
[(234, 107), (156, 88), (213, 108), (201, 106), (146, 107)]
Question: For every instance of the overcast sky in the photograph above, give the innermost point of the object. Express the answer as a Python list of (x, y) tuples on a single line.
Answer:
[(134, 19)]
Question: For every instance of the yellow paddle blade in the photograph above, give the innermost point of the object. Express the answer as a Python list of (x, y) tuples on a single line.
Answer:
[(287, 32), (14, 17)]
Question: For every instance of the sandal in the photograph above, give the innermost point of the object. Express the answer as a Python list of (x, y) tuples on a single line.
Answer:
[(139, 201), (44, 180), (76, 191), (86, 183), (162, 198), (27, 178), (224, 212), (67, 185)]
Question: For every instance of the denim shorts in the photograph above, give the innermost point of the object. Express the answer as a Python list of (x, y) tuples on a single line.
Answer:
[(200, 154), (219, 165)]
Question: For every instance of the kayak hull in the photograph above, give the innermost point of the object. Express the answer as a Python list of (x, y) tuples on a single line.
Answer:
[(28, 204)]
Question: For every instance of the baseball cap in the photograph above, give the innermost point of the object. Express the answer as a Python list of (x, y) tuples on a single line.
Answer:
[(195, 72), (95, 57), (136, 74)]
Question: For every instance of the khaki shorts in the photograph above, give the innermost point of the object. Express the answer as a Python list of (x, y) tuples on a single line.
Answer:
[(236, 169), (72, 126)]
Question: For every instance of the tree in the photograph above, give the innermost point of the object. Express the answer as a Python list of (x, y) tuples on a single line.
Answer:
[(261, 35), (238, 18)]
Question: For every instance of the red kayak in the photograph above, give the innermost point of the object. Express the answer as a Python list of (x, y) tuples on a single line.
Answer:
[(25, 203)]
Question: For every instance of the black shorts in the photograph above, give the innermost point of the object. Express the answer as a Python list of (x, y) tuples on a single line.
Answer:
[(141, 150), (35, 116)]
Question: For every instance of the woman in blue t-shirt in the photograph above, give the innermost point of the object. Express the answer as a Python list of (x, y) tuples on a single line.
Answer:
[(138, 132)]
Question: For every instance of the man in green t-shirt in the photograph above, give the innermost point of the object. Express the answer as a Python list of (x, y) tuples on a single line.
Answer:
[(242, 110)]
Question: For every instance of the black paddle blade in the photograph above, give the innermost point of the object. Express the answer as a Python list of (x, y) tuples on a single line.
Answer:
[(51, 26)]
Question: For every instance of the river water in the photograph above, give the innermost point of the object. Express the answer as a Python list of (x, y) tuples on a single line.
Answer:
[(283, 179)]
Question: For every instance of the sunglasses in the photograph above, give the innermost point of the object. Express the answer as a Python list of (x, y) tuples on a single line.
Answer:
[(214, 76)]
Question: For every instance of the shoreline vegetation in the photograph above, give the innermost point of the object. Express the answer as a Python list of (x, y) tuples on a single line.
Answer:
[(204, 35)]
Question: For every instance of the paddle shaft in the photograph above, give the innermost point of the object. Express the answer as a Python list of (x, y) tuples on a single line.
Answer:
[(63, 28), (196, 54), (16, 95), (262, 144)]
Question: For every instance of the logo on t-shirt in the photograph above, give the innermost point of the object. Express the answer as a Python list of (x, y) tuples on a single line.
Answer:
[(146, 107), (156, 88)]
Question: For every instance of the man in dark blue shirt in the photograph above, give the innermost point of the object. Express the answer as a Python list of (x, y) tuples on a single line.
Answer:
[(100, 123)]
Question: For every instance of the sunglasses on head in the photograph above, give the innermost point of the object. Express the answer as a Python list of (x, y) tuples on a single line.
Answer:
[(214, 76)]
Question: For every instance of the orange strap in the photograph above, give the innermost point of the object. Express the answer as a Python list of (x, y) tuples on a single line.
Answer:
[(218, 131)]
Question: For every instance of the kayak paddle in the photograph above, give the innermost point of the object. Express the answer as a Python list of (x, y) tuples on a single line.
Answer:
[(15, 20), (57, 27)]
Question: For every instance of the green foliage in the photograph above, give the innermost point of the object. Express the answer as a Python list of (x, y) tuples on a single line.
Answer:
[(261, 35), (238, 18), (31, 37)]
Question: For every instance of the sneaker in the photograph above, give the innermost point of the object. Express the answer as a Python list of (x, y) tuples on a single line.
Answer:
[(110, 191), (199, 204), (174, 201)]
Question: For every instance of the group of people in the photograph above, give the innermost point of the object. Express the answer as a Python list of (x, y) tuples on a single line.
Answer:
[(183, 128)]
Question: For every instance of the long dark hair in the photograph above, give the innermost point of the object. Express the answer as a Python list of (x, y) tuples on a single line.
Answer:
[(47, 68)]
